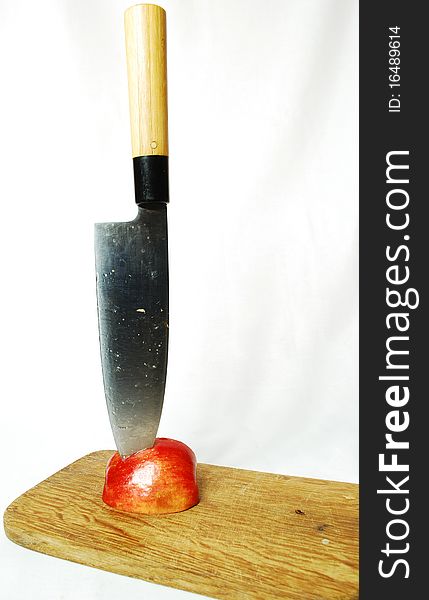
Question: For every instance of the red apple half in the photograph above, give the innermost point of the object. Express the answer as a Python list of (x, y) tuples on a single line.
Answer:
[(157, 480)]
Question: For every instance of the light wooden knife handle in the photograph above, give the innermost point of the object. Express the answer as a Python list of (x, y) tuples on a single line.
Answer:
[(146, 45)]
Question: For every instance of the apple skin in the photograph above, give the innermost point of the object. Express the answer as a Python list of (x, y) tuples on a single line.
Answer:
[(157, 480)]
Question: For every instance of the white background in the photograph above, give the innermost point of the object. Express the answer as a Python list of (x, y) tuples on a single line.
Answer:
[(262, 233)]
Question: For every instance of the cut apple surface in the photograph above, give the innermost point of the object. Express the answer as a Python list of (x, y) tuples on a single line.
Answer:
[(157, 480)]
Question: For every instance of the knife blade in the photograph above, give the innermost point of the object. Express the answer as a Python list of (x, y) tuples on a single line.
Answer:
[(132, 257)]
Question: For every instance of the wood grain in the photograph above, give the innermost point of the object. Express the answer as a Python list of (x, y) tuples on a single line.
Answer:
[(146, 45), (253, 535)]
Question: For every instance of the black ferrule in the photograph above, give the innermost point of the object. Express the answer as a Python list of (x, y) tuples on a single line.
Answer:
[(151, 179)]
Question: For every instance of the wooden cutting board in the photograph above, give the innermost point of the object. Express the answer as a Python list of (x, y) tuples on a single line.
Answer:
[(253, 535)]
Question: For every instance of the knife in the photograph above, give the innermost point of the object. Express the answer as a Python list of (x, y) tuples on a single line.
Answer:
[(132, 258)]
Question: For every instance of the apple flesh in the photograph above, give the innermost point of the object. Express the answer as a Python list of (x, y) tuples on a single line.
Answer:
[(157, 480)]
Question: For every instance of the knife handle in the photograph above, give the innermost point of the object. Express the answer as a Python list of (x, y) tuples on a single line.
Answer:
[(146, 46)]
